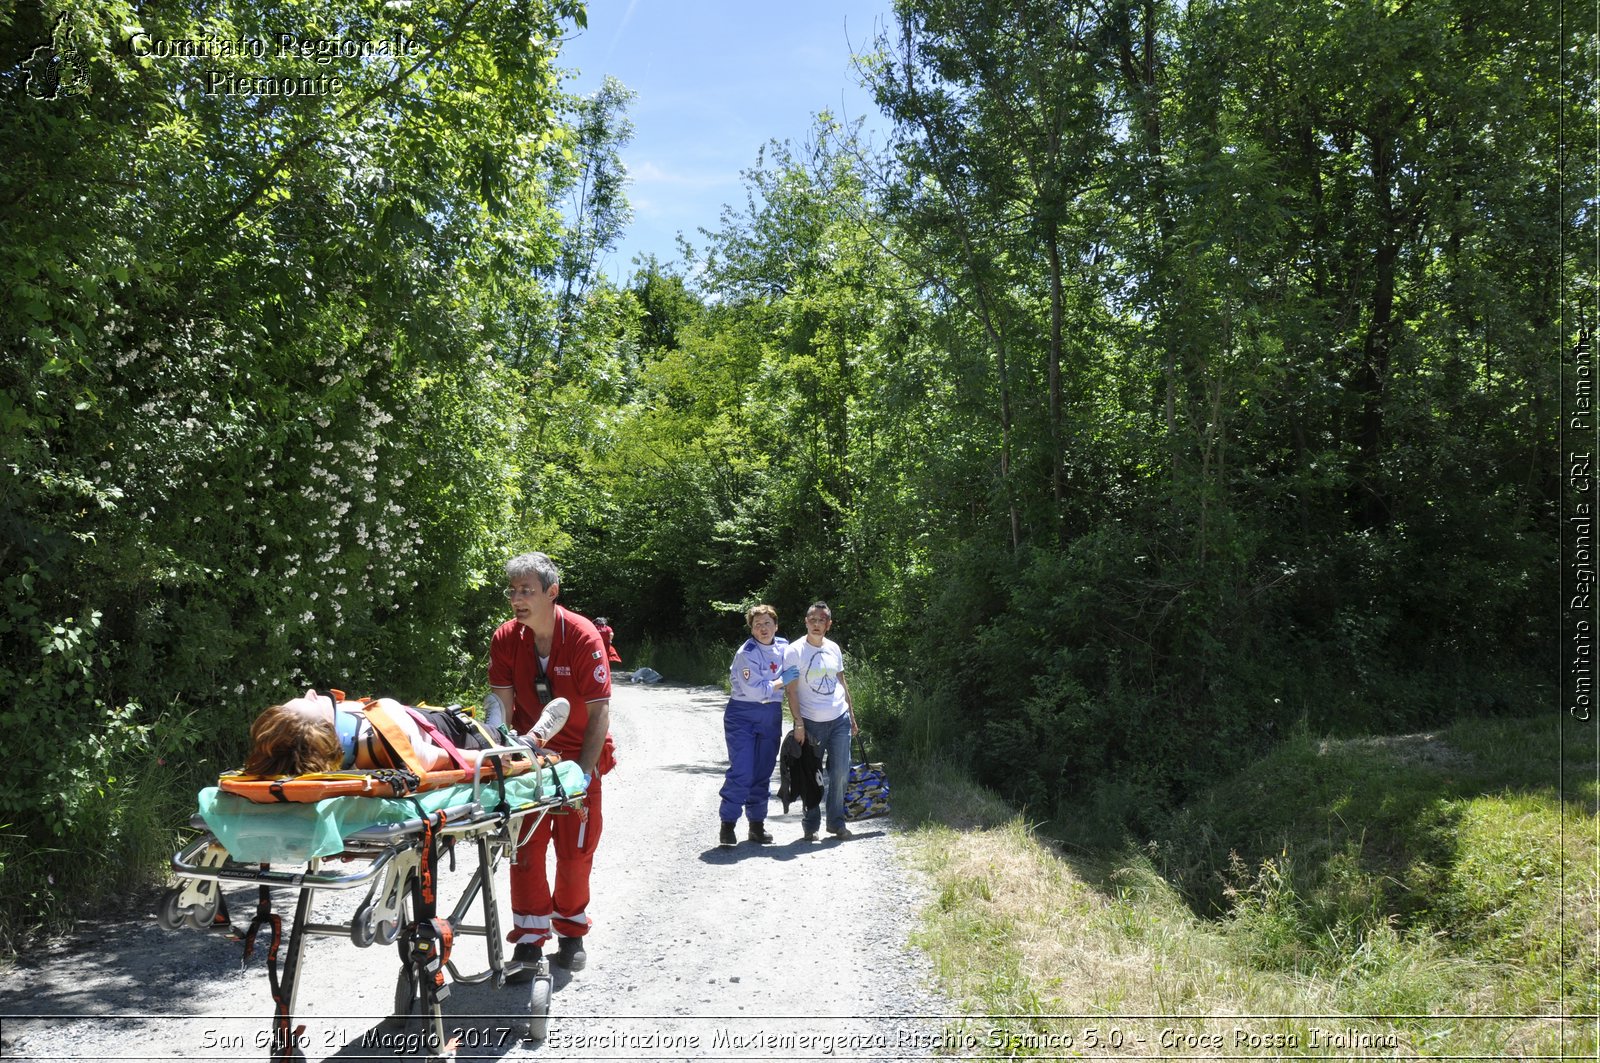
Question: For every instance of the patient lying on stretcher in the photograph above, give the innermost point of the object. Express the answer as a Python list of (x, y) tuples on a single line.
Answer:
[(318, 733)]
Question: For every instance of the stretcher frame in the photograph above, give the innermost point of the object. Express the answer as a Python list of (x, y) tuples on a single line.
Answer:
[(400, 862)]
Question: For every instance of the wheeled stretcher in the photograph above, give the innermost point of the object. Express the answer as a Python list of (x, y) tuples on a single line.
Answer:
[(391, 846)]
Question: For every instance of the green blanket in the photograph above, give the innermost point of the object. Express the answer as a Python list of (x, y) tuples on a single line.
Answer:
[(294, 833)]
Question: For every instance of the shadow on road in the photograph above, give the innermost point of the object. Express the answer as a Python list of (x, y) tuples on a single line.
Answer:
[(484, 1022), (707, 768), (790, 850)]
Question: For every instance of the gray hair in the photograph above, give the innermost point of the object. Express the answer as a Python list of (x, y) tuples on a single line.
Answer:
[(536, 564)]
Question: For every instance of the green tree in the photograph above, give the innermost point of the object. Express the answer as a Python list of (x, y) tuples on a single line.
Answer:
[(595, 190), (1002, 131), (253, 429)]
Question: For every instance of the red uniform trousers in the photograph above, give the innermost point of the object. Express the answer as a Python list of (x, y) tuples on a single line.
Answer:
[(535, 911)]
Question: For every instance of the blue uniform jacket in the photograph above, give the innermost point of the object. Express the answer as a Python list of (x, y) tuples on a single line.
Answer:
[(754, 670)]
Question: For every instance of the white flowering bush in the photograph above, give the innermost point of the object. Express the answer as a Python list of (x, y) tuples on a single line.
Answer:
[(260, 405)]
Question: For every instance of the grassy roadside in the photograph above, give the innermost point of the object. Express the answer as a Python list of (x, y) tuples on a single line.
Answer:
[(140, 817), (1413, 896)]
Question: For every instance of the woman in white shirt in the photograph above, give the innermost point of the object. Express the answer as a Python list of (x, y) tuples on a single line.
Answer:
[(820, 703)]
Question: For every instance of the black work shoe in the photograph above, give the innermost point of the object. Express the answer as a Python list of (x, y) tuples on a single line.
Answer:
[(571, 954), (842, 832), (727, 837), (758, 833), (810, 836), (528, 956)]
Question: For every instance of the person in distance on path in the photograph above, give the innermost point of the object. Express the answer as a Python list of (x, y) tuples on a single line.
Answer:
[(607, 636)]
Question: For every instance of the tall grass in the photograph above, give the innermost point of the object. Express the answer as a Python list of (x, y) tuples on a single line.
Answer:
[(138, 819), (919, 725), (1412, 895)]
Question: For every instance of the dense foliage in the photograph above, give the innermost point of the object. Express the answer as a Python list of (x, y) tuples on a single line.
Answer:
[(1173, 374), (257, 426), (1170, 374)]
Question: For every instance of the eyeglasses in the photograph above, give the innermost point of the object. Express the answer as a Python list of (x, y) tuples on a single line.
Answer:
[(513, 593), (818, 619)]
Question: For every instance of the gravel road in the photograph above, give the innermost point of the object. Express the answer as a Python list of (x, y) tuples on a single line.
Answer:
[(787, 951)]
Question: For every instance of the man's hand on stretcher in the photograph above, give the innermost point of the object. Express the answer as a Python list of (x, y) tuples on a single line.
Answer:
[(545, 728), (536, 737), (550, 721)]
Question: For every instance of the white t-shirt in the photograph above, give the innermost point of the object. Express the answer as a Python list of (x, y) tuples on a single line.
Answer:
[(820, 692)]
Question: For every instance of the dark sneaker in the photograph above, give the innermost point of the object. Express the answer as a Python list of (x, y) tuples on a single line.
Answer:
[(809, 836), (759, 835), (842, 832), (728, 836), (571, 954), (528, 956)]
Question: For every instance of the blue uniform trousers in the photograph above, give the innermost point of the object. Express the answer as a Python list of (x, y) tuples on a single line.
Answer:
[(752, 730)]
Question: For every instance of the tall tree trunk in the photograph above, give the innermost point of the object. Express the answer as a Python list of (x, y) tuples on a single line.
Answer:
[(1371, 378), (1005, 432), (1057, 313), (1139, 76), (985, 312)]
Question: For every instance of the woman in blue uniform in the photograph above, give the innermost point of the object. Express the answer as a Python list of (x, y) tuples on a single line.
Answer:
[(751, 723)]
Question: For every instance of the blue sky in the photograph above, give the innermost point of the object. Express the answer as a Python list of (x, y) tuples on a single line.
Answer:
[(716, 80)]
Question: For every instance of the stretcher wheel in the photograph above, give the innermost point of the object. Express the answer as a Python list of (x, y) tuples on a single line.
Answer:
[(364, 926), (201, 915), (539, 1008), (168, 914)]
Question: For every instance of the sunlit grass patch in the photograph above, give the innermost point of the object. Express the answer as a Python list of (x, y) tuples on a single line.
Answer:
[(1412, 895)]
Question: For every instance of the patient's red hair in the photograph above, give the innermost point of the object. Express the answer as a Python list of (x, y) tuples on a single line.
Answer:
[(284, 742)]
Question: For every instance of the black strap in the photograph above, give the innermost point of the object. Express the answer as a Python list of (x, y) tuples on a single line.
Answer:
[(400, 781), (859, 744), (542, 688), (555, 777), (500, 781), (283, 1038)]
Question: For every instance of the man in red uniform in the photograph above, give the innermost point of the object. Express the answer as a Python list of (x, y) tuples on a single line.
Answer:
[(547, 652), (608, 636)]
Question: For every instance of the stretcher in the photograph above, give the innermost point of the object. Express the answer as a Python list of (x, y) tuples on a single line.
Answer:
[(391, 846)]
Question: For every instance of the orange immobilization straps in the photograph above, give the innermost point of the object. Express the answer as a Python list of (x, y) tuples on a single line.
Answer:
[(398, 743), (395, 739), (431, 948)]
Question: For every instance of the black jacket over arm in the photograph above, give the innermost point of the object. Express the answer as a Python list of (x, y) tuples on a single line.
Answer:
[(799, 773)]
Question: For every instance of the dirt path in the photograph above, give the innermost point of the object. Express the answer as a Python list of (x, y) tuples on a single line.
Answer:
[(793, 950)]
